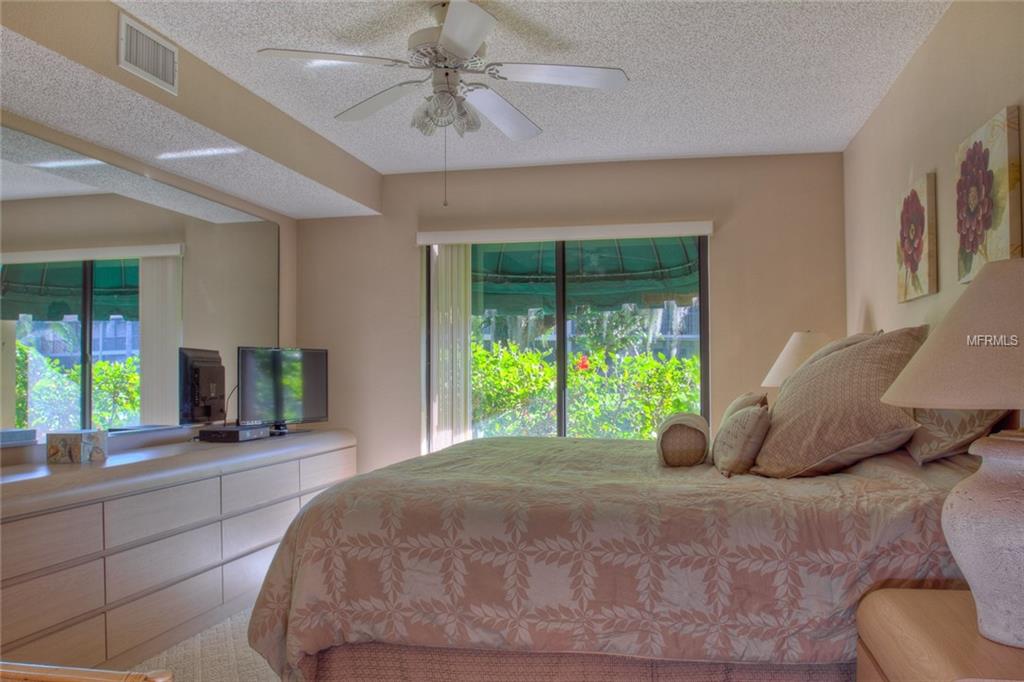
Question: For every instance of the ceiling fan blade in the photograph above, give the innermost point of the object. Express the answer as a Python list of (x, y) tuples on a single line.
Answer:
[(375, 103), (465, 27), (502, 113), (606, 78), (330, 57)]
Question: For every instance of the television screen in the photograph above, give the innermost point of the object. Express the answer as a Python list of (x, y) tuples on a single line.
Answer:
[(282, 385)]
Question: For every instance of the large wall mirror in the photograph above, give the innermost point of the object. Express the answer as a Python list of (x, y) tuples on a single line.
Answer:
[(104, 274)]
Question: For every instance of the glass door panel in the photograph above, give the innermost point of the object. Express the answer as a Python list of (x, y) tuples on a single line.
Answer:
[(514, 376), (115, 344), (633, 334), (41, 311)]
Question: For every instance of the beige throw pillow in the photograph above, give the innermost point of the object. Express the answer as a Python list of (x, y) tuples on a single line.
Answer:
[(839, 344), (829, 413), (945, 433), (683, 440), (744, 400), (739, 439)]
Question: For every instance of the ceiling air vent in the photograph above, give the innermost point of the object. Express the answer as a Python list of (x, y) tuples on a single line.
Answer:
[(148, 55)]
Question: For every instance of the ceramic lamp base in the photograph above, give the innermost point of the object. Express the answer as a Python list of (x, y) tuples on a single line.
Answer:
[(983, 520)]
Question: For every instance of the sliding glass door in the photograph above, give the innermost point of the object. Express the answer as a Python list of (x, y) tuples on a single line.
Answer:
[(594, 339)]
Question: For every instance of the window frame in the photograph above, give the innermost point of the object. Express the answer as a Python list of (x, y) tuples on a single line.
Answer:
[(562, 339)]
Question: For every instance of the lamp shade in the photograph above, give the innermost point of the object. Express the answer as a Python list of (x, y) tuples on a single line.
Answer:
[(974, 358), (801, 345)]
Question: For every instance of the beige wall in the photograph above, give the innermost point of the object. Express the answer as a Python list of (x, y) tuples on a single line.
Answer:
[(776, 265), (970, 67), (229, 272), (229, 291)]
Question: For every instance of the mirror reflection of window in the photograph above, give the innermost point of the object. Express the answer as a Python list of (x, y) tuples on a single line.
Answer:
[(43, 313)]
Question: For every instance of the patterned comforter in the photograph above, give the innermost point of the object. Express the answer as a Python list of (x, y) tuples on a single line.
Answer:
[(561, 545)]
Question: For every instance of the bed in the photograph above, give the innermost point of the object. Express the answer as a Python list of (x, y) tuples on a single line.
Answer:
[(563, 552)]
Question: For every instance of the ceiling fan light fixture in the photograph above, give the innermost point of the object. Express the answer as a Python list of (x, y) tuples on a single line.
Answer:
[(443, 109)]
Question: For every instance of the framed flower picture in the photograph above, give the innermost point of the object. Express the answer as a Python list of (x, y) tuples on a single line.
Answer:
[(916, 260), (988, 220)]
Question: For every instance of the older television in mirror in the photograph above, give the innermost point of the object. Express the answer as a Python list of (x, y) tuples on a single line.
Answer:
[(200, 386)]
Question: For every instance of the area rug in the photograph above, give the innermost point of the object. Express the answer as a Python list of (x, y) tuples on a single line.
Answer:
[(220, 654)]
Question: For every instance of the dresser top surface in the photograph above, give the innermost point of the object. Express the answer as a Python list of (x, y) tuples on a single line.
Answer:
[(32, 488)]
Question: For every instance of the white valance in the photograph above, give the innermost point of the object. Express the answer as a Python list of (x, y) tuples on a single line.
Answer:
[(508, 235), (93, 253)]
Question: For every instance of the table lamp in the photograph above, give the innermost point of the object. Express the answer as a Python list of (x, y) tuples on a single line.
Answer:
[(801, 345), (974, 360)]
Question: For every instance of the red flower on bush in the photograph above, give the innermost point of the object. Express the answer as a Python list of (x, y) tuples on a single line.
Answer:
[(583, 363), (912, 231), (974, 199)]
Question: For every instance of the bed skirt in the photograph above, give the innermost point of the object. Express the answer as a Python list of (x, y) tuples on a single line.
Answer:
[(375, 662)]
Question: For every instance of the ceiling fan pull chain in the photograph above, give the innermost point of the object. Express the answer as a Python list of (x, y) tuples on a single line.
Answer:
[(444, 171)]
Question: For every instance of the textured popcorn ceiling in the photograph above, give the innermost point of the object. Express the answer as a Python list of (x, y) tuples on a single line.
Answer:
[(46, 87), (25, 182), (20, 151), (707, 79)]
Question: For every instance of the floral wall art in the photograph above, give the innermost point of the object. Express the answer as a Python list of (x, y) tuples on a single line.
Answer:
[(988, 219), (917, 265)]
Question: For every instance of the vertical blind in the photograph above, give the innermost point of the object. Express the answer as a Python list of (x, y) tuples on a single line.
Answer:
[(450, 358)]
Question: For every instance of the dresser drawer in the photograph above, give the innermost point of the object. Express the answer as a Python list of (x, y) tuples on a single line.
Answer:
[(48, 600), (248, 531), (50, 539), (250, 488), (327, 468), (143, 567), (82, 645), (246, 574), (145, 618), (140, 516)]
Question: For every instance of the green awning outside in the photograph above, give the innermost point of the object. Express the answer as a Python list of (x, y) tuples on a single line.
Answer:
[(49, 291), (600, 273)]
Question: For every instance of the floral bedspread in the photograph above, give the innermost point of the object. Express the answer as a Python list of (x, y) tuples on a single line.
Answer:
[(565, 545)]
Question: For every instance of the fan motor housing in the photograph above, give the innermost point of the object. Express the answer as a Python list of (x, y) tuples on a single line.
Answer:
[(425, 52)]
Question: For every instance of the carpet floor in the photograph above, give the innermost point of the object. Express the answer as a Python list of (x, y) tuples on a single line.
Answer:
[(220, 654)]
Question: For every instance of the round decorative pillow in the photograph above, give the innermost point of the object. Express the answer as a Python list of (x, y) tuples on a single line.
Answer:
[(683, 440)]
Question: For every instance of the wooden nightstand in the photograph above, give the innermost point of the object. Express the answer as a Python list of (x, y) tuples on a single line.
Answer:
[(928, 636)]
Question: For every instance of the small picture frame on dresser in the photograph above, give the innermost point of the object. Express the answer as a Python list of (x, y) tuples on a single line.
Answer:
[(75, 447)]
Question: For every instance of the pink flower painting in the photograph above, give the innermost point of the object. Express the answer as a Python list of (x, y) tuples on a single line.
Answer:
[(988, 221), (915, 253)]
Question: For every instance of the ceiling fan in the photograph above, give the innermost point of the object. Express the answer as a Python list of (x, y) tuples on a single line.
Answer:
[(449, 51)]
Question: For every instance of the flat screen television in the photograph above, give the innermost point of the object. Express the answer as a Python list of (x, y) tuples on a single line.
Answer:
[(200, 386), (281, 386)]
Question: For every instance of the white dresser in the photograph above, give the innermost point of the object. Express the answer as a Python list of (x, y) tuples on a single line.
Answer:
[(106, 564)]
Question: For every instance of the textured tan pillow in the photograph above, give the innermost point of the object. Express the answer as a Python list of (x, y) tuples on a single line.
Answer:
[(683, 440), (744, 400), (839, 344), (945, 433), (829, 414), (739, 439)]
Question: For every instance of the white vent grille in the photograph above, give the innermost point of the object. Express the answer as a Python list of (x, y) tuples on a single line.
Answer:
[(148, 55)]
